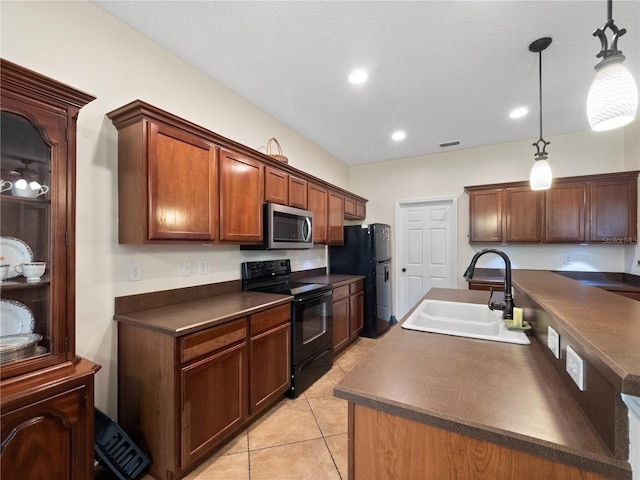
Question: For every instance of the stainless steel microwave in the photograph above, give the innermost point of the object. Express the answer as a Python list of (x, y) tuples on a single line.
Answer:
[(285, 228)]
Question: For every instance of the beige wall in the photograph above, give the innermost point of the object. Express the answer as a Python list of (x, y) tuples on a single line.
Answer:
[(80, 44)]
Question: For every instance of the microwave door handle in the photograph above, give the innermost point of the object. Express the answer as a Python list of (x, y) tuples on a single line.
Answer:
[(307, 223)]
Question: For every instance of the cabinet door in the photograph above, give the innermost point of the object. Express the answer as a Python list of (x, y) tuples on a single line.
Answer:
[(297, 192), (335, 218), (340, 324), (565, 212), (48, 439), (270, 373), (350, 209), (361, 210), (214, 393), (241, 194), (485, 215), (276, 186), (182, 185), (524, 209), (614, 210), (317, 198), (356, 309)]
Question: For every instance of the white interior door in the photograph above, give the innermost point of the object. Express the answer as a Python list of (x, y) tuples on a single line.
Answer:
[(425, 249)]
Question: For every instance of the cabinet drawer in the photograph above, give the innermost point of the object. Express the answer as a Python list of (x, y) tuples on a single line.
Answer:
[(356, 287), (340, 292), (198, 344), (266, 320)]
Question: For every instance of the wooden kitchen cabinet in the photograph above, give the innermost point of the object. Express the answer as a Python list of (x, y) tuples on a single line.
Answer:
[(269, 357), (276, 186), (167, 180), (566, 205), (241, 194), (318, 204), (206, 386), (46, 390), (335, 218), (354, 209), (348, 314), (586, 209), (614, 209), (297, 192), (524, 214), (485, 215)]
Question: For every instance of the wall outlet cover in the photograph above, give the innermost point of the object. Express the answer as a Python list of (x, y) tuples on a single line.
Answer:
[(185, 268), (553, 341), (135, 271), (575, 367)]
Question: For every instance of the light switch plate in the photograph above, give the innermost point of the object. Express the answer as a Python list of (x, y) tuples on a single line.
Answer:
[(553, 341), (575, 367)]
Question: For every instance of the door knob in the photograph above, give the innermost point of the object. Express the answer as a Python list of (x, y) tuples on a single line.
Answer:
[(404, 269)]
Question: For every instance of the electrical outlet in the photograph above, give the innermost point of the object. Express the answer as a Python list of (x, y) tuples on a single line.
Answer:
[(135, 271), (203, 267), (185, 268), (575, 367), (567, 260), (553, 341)]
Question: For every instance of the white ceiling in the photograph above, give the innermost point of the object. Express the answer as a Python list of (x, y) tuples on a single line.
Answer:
[(439, 70)]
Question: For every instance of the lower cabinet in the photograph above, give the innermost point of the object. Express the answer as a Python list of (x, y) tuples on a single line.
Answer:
[(180, 398), (348, 314), (48, 432)]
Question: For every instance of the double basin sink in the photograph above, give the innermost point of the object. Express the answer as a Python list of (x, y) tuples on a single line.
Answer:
[(469, 320)]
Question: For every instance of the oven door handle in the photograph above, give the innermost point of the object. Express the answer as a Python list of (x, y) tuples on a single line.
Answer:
[(307, 223), (314, 297)]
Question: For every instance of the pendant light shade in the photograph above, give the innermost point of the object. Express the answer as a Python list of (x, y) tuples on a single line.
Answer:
[(613, 97), (541, 176)]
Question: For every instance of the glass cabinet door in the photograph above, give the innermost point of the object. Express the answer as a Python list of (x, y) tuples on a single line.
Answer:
[(32, 253)]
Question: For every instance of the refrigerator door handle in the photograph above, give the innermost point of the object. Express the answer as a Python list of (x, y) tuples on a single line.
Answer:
[(386, 273)]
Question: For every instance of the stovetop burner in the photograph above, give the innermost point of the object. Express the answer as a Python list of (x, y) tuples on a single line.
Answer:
[(274, 276)]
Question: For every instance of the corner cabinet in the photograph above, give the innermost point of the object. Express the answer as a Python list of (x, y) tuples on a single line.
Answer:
[(586, 209), (46, 391)]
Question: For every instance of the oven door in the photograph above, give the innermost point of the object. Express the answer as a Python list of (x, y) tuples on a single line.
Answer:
[(312, 324)]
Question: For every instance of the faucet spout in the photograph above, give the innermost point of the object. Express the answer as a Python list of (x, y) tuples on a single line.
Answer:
[(507, 305)]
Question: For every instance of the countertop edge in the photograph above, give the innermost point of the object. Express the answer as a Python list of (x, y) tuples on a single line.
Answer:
[(601, 464)]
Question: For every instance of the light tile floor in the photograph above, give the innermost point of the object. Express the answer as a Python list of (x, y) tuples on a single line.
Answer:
[(304, 438)]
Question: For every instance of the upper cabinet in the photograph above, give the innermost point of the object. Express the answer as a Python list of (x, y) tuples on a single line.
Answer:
[(181, 183), (354, 209), (335, 218), (37, 223), (586, 209)]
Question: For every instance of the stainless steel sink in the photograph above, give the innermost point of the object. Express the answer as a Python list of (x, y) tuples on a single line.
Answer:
[(470, 320)]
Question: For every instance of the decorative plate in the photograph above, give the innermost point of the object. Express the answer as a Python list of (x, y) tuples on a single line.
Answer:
[(14, 342), (14, 251), (15, 318)]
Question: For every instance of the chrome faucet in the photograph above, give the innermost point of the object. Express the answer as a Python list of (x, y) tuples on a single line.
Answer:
[(507, 305)]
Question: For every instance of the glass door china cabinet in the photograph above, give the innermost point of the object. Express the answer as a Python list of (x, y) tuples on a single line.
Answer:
[(46, 390)]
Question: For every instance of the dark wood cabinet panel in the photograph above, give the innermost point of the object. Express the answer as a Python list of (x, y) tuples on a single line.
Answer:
[(348, 314), (354, 209), (182, 186), (614, 210), (335, 218), (297, 192), (356, 314), (566, 205), (485, 215), (276, 186), (341, 321), (317, 203), (214, 392), (524, 211), (46, 394), (241, 194)]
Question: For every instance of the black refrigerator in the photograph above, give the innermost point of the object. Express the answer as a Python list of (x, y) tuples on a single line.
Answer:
[(367, 251)]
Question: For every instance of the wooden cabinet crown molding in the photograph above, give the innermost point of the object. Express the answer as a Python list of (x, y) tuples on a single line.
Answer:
[(137, 110)]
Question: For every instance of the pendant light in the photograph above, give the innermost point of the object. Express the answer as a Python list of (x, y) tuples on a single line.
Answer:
[(613, 97), (541, 176)]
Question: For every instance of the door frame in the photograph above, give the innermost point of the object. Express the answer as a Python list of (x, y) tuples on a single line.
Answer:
[(398, 237)]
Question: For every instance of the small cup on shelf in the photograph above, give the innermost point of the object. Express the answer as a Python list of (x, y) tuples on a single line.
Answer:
[(31, 271), (4, 272)]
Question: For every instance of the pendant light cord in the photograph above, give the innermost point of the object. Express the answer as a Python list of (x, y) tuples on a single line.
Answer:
[(540, 91)]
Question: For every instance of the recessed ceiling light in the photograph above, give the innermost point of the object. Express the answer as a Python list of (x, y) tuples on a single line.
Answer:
[(399, 135), (518, 112), (358, 76)]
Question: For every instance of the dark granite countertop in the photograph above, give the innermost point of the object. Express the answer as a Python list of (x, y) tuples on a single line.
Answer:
[(506, 394), (335, 279)]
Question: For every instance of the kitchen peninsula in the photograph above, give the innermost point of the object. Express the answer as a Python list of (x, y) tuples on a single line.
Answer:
[(486, 410)]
